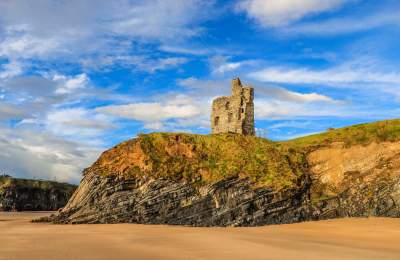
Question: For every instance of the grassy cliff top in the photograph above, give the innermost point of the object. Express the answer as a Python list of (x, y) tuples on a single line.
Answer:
[(201, 159), (204, 159), (362, 134), (7, 181)]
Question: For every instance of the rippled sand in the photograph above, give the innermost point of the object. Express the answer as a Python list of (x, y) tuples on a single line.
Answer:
[(373, 238)]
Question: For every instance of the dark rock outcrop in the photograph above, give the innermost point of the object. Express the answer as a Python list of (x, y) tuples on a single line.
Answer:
[(32, 195), (231, 202), (378, 199)]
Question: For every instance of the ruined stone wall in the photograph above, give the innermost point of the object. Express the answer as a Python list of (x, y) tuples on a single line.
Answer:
[(234, 114)]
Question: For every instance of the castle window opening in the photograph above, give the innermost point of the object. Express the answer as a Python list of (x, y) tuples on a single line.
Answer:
[(229, 117), (227, 105), (216, 120)]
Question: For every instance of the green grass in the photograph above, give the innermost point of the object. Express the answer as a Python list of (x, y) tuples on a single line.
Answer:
[(202, 159), (362, 134), (6, 182)]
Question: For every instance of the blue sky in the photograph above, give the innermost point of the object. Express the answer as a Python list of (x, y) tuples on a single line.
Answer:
[(77, 77)]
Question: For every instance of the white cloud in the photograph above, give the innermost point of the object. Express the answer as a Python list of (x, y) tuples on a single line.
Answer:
[(310, 97), (273, 13), (16, 45), (11, 69), (165, 19), (69, 29), (38, 154), (268, 109), (194, 83), (79, 123), (70, 84), (229, 66), (336, 76), (282, 94), (346, 25), (221, 64), (134, 62), (171, 112), (184, 50), (55, 136), (161, 64), (180, 107), (154, 125)]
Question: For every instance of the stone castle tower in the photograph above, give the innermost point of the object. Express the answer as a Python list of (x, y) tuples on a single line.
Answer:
[(234, 114)]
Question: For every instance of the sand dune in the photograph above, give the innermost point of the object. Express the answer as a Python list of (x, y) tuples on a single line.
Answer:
[(373, 238)]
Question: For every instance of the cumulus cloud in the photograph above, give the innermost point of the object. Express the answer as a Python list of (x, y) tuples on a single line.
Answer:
[(32, 30), (180, 107), (287, 95), (38, 154), (80, 123), (160, 19), (335, 76), (220, 64), (171, 112), (345, 25), (272, 13), (267, 109), (48, 138), (70, 84)]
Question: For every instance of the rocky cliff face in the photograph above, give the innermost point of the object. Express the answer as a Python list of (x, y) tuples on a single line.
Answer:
[(357, 181), (232, 180), (27, 195), (231, 202)]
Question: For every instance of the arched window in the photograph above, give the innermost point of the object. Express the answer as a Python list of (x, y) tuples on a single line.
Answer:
[(216, 120), (227, 105), (230, 117)]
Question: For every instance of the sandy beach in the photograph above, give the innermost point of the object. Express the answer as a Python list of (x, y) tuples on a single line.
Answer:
[(373, 238)]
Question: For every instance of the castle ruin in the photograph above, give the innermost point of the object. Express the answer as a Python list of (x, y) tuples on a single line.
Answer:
[(234, 114)]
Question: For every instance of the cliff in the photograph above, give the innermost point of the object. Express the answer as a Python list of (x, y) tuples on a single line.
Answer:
[(235, 180), (26, 195)]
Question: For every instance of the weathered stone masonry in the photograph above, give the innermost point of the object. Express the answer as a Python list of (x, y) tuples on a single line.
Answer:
[(234, 114)]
